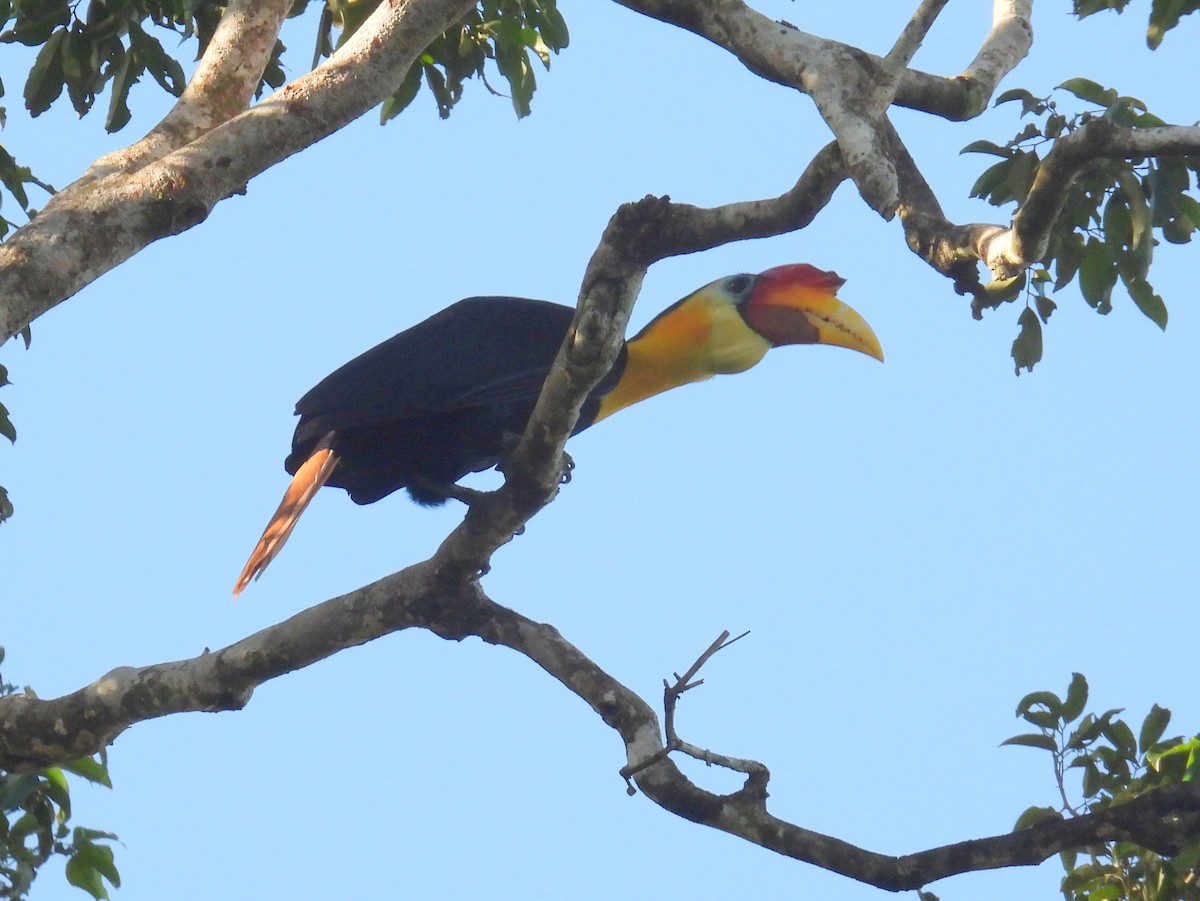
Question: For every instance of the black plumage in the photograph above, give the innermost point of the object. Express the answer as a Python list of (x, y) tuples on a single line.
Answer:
[(449, 396)]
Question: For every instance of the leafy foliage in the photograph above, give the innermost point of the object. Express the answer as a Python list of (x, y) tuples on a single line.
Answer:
[(15, 177), (109, 46), (8, 430), (502, 31), (1114, 215), (112, 47), (1116, 766), (33, 828), (1164, 14)]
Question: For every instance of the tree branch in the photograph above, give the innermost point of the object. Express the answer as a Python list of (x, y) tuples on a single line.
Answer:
[(1005, 46), (1009, 251), (779, 52), (222, 86), (912, 37), (35, 733)]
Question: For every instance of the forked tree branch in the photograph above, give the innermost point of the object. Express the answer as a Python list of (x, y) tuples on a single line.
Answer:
[(221, 87), (781, 53), (1162, 820)]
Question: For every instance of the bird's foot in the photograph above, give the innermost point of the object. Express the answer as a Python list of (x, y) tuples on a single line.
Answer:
[(432, 494), (468, 496)]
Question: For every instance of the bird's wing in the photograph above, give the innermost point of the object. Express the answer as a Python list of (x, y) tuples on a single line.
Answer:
[(479, 351)]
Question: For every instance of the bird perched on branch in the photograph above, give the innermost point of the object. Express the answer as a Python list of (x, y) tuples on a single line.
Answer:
[(452, 394)]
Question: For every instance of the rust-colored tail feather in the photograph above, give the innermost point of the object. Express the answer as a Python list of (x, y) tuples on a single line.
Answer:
[(311, 475)]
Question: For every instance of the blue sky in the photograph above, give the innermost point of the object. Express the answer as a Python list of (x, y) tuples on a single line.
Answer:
[(913, 546)]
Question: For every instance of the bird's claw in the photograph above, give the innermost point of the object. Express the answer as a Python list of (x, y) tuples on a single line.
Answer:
[(468, 496)]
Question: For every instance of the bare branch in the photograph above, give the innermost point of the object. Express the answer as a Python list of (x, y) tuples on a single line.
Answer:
[(1006, 45), (38, 732), (912, 36), (671, 696), (780, 53)]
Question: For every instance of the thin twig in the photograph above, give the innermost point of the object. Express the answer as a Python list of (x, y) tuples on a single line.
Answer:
[(912, 37), (671, 693)]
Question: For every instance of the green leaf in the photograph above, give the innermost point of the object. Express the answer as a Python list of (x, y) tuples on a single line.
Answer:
[(1097, 275), (6, 507), (1165, 15), (90, 769), (1024, 171), (1086, 89), (1034, 815), (1125, 111), (990, 179), (1077, 695), (7, 429), (987, 147), (77, 71), (1117, 223), (1179, 230), (161, 65), (37, 21), (1167, 181), (1122, 738), (1139, 207), (1068, 858), (83, 875), (1021, 94), (1045, 306), (1090, 728), (1153, 727), (1027, 353), (1032, 740), (1151, 304), (125, 76), (1085, 8), (1175, 763), (1047, 699), (1068, 254), (1188, 216), (399, 101), (554, 27), (1004, 290), (54, 786), (45, 81), (98, 857), (1089, 874), (15, 791)]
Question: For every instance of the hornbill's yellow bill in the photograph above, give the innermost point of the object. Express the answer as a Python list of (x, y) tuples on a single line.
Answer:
[(452, 394)]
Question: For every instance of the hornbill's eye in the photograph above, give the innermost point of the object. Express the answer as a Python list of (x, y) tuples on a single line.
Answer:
[(738, 285)]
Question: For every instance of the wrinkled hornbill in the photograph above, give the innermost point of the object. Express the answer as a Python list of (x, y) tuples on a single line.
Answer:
[(452, 394)]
